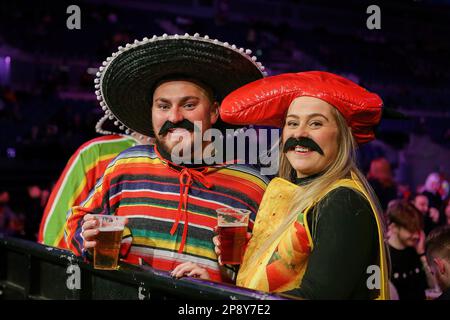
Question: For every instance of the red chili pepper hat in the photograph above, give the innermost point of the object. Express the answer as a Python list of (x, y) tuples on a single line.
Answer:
[(266, 101)]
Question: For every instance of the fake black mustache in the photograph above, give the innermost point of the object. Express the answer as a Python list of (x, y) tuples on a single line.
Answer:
[(304, 142), (184, 124)]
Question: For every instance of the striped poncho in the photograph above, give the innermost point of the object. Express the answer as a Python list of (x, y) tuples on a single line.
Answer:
[(78, 178), (159, 198)]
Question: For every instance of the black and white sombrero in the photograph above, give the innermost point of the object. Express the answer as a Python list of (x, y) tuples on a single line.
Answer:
[(125, 80)]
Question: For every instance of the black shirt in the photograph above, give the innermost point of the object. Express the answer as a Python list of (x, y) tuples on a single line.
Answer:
[(408, 276), (445, 295), (384, 194), (345, 239)]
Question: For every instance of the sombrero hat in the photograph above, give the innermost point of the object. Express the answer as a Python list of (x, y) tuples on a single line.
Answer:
[(103, 121), (125, 80)]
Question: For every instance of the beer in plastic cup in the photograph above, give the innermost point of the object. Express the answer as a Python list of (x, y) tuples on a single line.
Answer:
[(106, 251), (232, 228)]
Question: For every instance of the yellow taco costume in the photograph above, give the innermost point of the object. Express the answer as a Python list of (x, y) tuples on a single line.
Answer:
[(284, 263)]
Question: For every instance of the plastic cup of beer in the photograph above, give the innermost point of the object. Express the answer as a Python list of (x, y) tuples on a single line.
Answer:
[(232, 226), (106, 251)]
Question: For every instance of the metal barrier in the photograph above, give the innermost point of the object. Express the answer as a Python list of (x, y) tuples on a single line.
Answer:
[(32, 271)]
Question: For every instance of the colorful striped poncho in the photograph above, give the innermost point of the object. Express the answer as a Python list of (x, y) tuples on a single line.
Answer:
[(171, 210), (78, 178)]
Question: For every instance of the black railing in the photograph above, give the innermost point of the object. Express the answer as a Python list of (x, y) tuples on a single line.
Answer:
[(32, 271)]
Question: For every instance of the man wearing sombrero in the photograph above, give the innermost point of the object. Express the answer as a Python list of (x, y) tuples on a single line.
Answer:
[(163, 87), (319, 232)]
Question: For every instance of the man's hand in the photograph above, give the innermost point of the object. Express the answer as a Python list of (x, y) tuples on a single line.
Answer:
[(420, 247), (217, 249), (89, 231), (190, 269)]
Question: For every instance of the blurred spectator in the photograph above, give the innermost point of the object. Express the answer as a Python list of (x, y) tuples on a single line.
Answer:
[(33, 208), (9, 96), (438, 255), (444, 189), (434, 191), (9, 106), (404, 191), (381, 179), (10, 223), (406, 243), (430, 215), (431, 190), (447, 211), (222, 12)]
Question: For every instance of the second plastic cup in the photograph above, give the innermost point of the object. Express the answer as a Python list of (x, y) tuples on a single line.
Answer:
[(106, 252), (232, 228)]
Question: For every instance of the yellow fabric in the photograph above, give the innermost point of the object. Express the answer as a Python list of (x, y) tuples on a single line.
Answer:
[(272, 211)]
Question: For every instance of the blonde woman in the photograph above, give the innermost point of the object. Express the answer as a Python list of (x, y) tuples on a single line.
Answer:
[(319, 232)]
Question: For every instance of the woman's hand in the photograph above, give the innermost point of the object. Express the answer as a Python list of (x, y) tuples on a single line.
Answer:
[(216, 241), (190, 269)]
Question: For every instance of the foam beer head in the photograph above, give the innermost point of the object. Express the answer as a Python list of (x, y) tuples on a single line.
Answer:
[(232, 228), (106, 252), (232, 217), (109, 222)]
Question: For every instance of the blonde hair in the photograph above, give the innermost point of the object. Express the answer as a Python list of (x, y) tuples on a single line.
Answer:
[(343, 167)]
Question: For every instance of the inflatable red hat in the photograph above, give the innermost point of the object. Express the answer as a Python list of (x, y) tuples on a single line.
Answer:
[(266, 101)]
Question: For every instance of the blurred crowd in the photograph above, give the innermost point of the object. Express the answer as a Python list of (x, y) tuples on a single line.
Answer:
[(21, 213), (48, 109)]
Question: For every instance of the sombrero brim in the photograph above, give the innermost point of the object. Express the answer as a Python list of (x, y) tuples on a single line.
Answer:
[(127, 80)]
